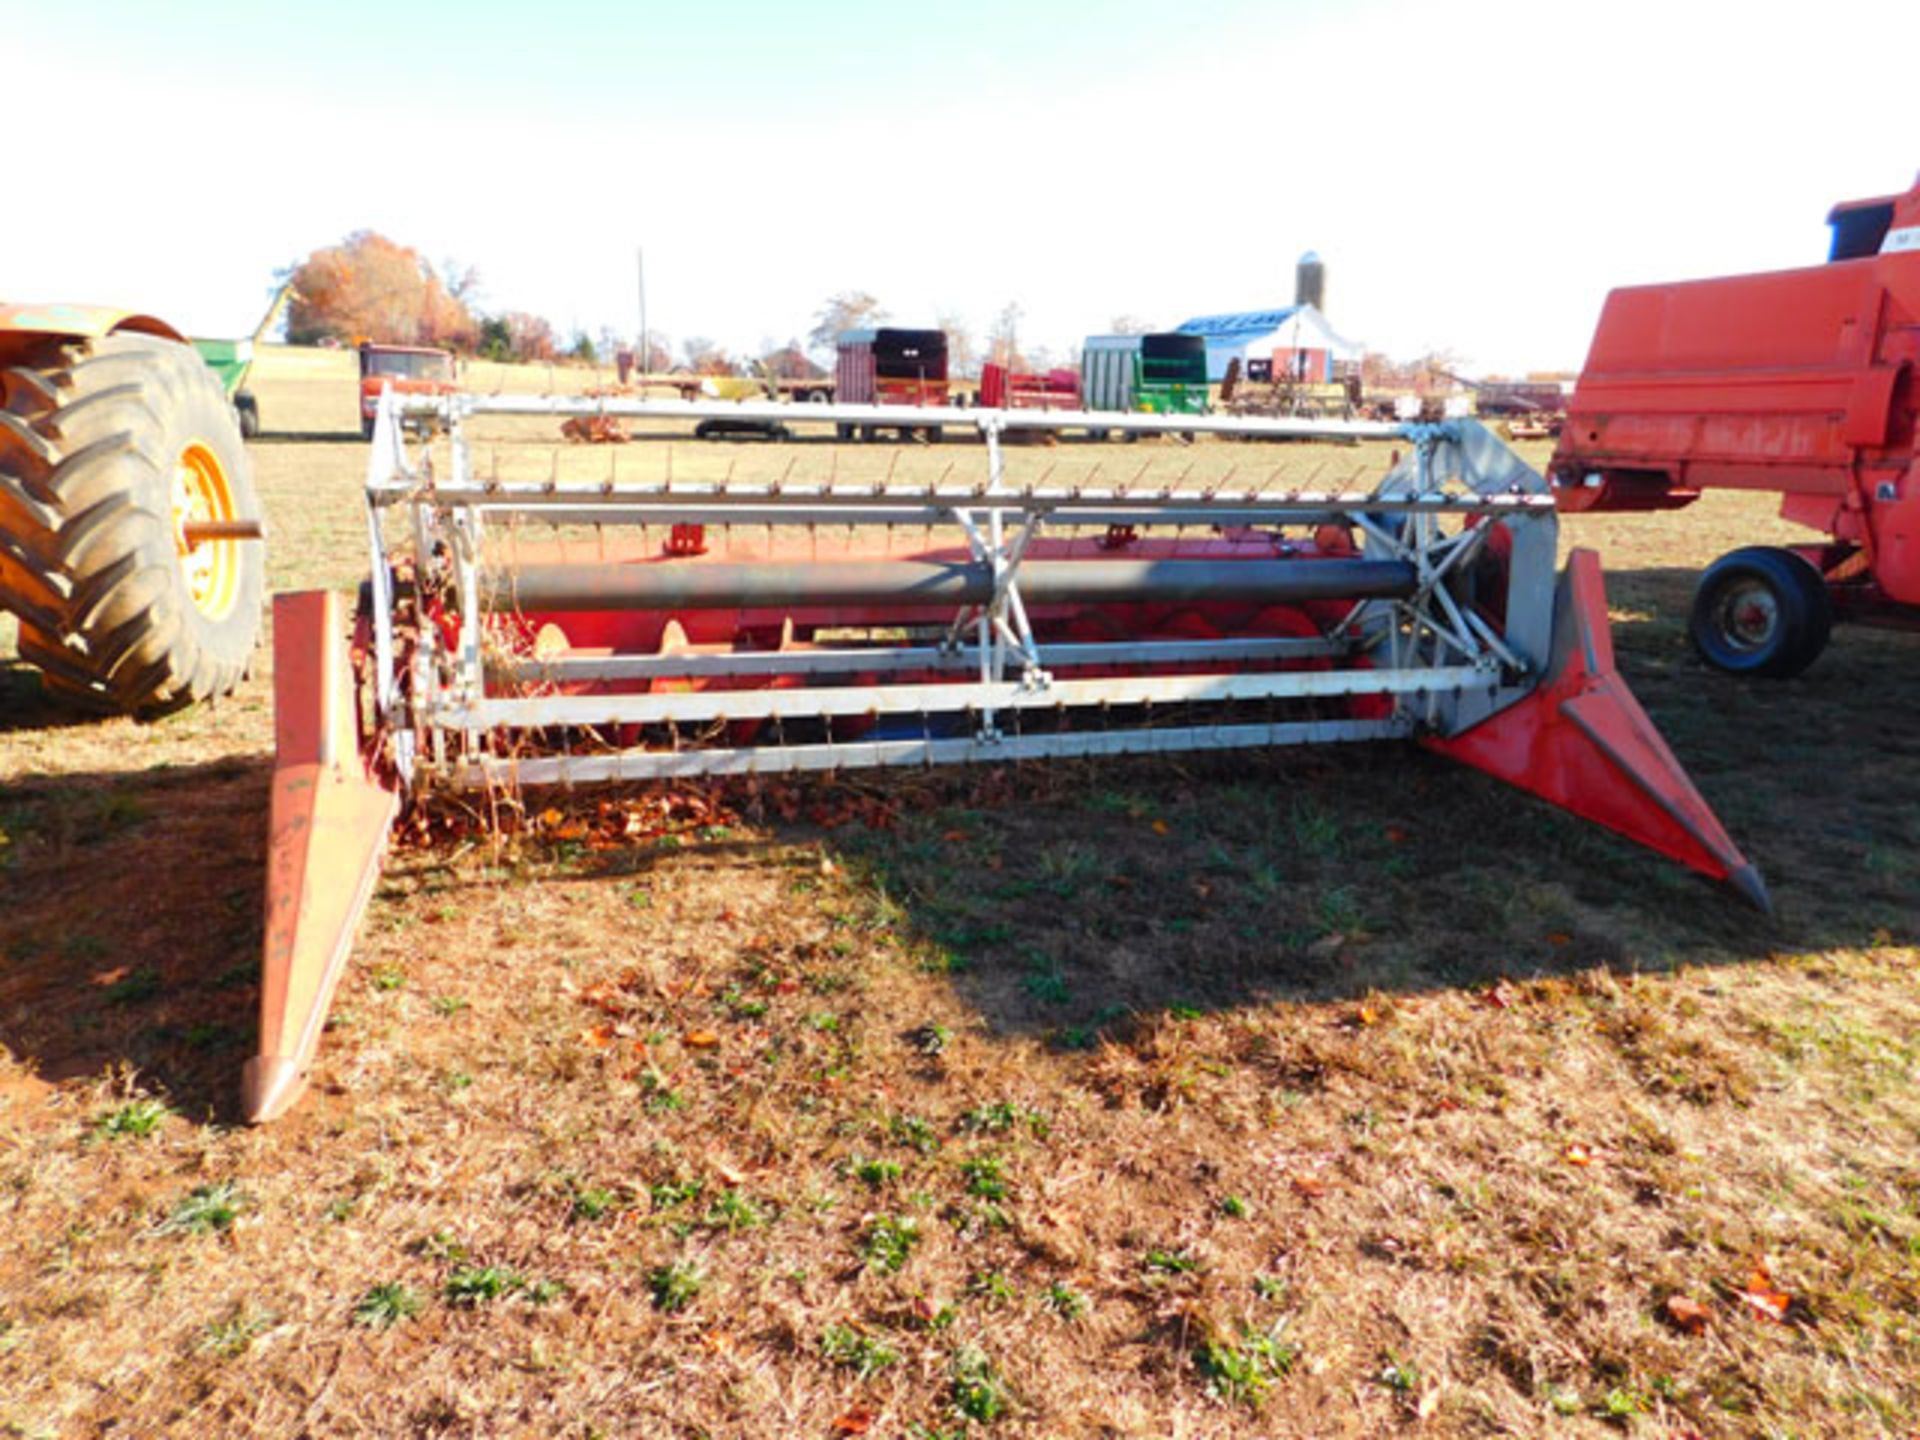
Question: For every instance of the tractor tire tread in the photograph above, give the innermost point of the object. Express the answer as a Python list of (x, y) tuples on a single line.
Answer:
[(89, 436)]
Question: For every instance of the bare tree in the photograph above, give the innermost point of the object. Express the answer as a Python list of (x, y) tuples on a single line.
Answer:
[(849, 310), (462, 282), (1003, 339), (1129, 325), (963, 358), (707, 357)]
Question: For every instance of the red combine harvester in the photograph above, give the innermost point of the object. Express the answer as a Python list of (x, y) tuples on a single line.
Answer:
[(1800, 381), (897, 369), (798, 625)]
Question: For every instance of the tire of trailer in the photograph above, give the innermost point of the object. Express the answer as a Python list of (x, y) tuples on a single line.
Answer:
[(843, 432), (1760, 610), (366, 427), (248, 409), (934, 434), (106, 448)]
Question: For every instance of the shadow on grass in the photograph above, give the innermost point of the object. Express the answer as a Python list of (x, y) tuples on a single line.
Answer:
[(1063, 898), (25, 704), (1072, 895), (131, 929)]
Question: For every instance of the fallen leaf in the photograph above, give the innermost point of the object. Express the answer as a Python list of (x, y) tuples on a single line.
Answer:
[(955, 837), (1577, 1154), (1160, 827), (599, 1037), (1766, 1298), (1688, 1316), (855, 1422), (1395, 835), (1307, 1187), (1497, 996), (700, 1039), (718, 1341), (1559, 937)]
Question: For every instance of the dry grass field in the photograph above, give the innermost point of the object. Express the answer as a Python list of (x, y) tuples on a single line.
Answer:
[(1335, 1093)]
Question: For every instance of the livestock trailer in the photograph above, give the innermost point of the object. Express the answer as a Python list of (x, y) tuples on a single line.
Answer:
[(1162, 374), (890, 367)]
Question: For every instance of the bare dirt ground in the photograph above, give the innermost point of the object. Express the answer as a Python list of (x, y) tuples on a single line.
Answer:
[(1332, 1093)]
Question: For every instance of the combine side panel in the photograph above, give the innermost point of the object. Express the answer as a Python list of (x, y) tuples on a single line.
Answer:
[(330, 820), (1799, 381)]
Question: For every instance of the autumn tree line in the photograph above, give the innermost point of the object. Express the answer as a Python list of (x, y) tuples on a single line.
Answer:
[(371, 288)]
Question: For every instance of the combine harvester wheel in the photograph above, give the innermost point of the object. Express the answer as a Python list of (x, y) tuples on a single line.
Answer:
[(1761, 611), (951, 621), (128, 519)]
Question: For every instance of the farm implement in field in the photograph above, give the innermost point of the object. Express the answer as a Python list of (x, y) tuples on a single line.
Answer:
[(1801, 382), (130, 533), (521, 630)]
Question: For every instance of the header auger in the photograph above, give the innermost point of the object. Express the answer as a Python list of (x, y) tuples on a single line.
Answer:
[(703, 629)]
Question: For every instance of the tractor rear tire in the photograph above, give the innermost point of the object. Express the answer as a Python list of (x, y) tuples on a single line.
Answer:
[(107, 447), (1761, 611)]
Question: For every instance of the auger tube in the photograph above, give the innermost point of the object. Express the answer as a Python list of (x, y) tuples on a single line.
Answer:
[(670, 585)]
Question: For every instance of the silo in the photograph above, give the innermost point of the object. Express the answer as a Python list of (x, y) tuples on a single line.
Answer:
[(1310, 282)]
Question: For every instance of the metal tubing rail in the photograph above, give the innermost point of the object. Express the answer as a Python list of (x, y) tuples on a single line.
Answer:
[(856, 701), (902, 505), (695, 512), (561, 670), (567, 770), (454, 408)]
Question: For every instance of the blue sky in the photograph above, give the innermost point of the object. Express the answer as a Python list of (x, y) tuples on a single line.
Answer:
[(1476, 175)]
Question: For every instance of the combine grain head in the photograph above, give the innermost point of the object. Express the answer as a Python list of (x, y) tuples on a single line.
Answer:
[(529, 628)]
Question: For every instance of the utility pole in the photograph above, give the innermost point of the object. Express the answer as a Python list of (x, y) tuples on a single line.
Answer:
[(646, 349)]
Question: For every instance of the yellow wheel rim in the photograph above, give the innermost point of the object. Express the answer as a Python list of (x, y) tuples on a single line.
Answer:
[(212, 567)]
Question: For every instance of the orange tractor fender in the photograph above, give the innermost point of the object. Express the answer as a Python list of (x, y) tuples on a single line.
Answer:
[(79, 322)]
